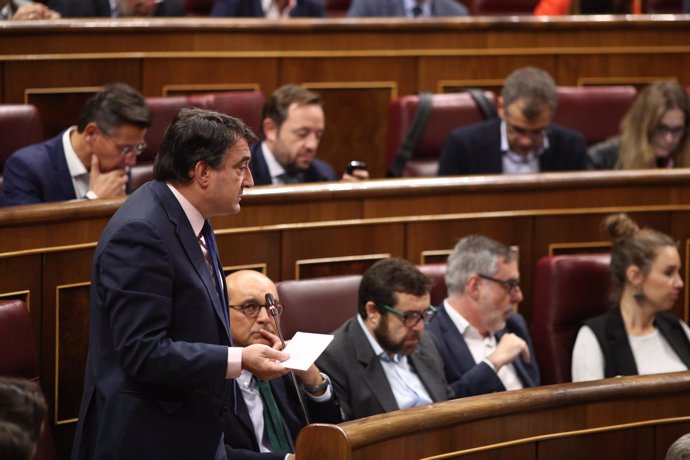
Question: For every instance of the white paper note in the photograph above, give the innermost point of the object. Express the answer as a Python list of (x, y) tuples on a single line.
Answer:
[(304, 348)]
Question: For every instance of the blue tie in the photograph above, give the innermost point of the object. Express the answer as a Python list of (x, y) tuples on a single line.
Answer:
[(209, 238)]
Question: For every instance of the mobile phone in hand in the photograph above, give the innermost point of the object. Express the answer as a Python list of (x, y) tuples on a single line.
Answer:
[(354, 165)]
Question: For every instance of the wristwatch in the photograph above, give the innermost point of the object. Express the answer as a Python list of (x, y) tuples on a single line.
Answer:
[(313, 389)]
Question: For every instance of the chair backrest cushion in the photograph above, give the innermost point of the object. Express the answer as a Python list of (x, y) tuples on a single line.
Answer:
[(448, 112), (595, 111), (568, 289), (20, 125), (318, 304), (437, 273)]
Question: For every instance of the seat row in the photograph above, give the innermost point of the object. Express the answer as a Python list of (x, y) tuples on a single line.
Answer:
[(568, 290)]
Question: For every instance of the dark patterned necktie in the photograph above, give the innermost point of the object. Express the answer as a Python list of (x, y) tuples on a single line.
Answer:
[(273, 420)]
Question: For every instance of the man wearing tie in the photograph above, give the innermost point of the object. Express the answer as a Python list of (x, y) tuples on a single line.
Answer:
[(381, 361), (160, 356), (267, 416)]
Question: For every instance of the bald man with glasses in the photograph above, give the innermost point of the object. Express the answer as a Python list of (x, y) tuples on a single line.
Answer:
[(381, 360), (485, 344), (87, 161), (252, 430)]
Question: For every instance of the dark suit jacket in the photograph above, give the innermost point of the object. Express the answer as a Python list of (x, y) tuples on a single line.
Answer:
[(240, 441), (359, 380), (155, 382), (319, 171), (476, 149), (37, 174), (101, 8), (252, 9), (468, 378), (364, 8)]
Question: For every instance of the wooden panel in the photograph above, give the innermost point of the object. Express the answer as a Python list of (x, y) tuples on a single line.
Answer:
[(667, 435), (239, 249), (336, 266), (354, 130), (629, 444), (70, 101)]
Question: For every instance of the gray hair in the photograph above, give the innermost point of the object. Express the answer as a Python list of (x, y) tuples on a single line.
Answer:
[(679, 450), (535, 86), (473, 255)]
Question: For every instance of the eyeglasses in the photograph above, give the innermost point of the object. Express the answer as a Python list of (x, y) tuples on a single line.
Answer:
[(534, 134), (512, 285), (126, 150), (664, 130), (411, 318), (252, 309)]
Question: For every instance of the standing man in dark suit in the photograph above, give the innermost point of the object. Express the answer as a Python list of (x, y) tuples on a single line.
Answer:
[(485, 345), (117, 8), (380, 361), (272, 9), (408, 8), (90, 160), (293, 123), (160, 356), (250, 429), (523, 140)]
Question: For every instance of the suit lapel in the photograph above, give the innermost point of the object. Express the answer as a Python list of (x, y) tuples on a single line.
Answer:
[(57, 158), (428, 375), (374, 376), (454, 341), (242, 414), (190, 244)]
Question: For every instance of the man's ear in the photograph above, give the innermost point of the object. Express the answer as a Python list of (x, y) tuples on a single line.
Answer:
[(500, 108), (372, 310), (472, 287), (90, 132), (200, 173), (270, 129)]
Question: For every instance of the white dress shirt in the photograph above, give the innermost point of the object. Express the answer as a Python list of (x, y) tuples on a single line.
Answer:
[(515, 163)]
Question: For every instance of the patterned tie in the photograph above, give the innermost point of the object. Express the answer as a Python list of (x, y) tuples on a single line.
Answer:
[(214, 266), (273, 421)]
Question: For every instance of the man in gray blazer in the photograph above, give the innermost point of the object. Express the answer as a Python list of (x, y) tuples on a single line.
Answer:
[(380, 361), (408, 8)]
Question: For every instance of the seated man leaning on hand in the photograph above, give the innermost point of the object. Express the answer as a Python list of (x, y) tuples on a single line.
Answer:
[(523, 140), (90, 160), (252, 428), (292, 126), (380, 361), (485, 345)]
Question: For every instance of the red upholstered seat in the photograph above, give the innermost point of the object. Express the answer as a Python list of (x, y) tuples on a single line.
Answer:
[(437, 273), (19, 358), (662, 6), (595, 111), (318, 304), (449, 111), (245, 105), (163, 110), (20, 125), (500, 7), (198, 7), (568, 289), (336, 8)]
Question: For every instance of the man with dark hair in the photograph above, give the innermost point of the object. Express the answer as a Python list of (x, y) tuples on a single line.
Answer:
[(485, 344), (522, 140), (160, 355), (117, 8), (271, 9), (23, 412), (253, 427), (293, 123), (381, 361), (90, 160)]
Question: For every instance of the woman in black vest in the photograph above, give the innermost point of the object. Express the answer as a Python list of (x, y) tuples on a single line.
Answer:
[(639, 335)]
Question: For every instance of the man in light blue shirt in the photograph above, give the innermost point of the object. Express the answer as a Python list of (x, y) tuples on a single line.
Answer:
[(407, 8), (381, 361)]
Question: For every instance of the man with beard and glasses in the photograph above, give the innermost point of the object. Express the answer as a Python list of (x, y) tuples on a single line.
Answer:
[(380, 361), (485, 345), (293, 123)]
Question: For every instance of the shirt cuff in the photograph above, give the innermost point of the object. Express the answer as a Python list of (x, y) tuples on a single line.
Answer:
[(234, 363), (91, 195), (490, 364)]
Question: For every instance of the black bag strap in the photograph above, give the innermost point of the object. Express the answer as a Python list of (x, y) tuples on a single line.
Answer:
[(421, 117), (486, 106)]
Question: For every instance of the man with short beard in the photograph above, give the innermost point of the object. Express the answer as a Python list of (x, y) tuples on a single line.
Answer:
[(380, 361)]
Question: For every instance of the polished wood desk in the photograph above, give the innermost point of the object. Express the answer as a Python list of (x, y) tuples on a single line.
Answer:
[(316, 229), (623, 418), (358, 65)]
